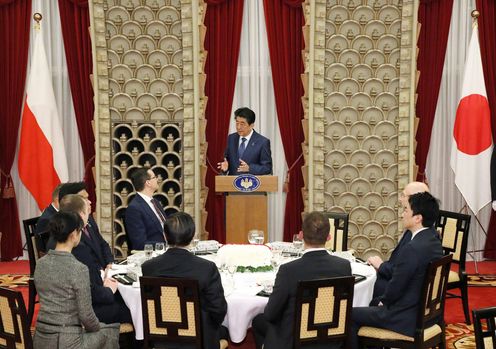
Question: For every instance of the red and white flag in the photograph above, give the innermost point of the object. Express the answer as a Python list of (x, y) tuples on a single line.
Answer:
[(42, 161), (472, 140)]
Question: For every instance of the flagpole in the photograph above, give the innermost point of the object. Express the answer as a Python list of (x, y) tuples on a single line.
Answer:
[(37, 26)]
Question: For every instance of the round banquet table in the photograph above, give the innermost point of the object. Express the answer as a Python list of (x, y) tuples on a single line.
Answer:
[(243, 304)]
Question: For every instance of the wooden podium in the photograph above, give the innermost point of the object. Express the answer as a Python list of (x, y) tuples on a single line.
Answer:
[(245, 210)]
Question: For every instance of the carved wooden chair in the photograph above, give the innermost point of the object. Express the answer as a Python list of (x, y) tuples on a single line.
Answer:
[(323, 311), (338, 231), (171, 311), (14, 328), (485, 338), (454, 228), (32, 244), (431, 310)]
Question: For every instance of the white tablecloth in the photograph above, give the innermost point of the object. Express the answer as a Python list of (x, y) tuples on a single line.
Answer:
[(242, 303)]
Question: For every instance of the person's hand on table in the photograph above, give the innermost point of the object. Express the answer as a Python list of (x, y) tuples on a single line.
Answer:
[(375, 261), (110, 283)]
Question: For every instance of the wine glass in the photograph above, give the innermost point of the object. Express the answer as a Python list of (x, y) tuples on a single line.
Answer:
[(160, 247), (148, 250), (252, 236), (231, 269), (297, 243)]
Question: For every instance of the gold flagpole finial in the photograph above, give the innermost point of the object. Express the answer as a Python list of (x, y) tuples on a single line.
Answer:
[(37, 17), (475, 15)]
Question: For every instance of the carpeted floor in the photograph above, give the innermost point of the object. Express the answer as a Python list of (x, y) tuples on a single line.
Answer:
[(458, 334)]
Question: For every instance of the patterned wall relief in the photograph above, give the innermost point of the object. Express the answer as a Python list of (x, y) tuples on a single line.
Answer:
[(361, 119), (146, 94), (157, 146)]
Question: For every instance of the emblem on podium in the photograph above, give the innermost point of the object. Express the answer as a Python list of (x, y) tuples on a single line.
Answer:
[(246, 183)]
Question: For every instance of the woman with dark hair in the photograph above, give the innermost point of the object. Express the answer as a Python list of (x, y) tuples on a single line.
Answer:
[(66, 318)]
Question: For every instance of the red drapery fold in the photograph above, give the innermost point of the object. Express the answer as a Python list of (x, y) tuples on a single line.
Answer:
[(487, 39), (223, 21), (435, 17), (284, 21), (75, 19), (15, 21)]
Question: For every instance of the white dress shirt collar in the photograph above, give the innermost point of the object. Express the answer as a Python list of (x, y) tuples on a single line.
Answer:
[(418, 231), (247, 139)]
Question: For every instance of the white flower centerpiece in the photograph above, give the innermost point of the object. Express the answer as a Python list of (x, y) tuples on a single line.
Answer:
[(248, 258)]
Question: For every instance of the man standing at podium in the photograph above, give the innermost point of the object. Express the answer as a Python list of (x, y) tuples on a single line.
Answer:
[(247, 151)]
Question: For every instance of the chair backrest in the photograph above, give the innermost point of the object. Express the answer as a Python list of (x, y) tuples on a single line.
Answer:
[(171, 310), (31, 242), (14, 328), (323, 310), (338, 231), (485, 338), (454, 228), (433, 295)]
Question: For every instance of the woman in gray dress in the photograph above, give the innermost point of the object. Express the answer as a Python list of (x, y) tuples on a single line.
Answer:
[(66, 318)]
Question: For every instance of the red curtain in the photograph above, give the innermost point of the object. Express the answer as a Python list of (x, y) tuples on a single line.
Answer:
[(284, 21), (15, 21), (487, 38), (223, 21), (75, 19), (435, 17)]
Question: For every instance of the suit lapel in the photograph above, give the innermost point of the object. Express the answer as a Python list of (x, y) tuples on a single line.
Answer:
[(151, 215), (250, 147)]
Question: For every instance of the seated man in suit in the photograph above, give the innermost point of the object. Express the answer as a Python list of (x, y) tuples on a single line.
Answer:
[(247, 151), (93, 236), (42, 224), (397, 309), (274, 328), (145, 216), (178, 262), (385, 268), (107, 303)]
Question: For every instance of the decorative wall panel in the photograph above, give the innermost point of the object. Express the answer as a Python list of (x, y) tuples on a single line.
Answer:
[(356, 50), (149, 94)]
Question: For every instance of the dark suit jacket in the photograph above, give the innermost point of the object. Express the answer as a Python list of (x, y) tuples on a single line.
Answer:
[(142, 224), (41, 227), (280, 309), (97, 246), (385, 271), (256, 155), (403, 291), (178, 262)]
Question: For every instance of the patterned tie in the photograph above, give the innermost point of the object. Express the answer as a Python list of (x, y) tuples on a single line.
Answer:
[(86, 232), (157, 209), (242, 147)]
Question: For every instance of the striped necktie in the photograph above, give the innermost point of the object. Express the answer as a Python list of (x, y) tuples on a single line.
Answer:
[(158, 211)]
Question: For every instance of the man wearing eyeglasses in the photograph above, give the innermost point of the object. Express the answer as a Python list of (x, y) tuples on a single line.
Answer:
[(145, 216)]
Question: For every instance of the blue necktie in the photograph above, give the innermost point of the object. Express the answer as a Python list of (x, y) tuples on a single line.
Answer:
[(242, 147)]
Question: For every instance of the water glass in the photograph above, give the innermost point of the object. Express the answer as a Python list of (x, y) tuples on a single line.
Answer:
[(268, 286), (297, 243), (194, 244), (148, 250), (259, 240), (252, 236), (160, 247)]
